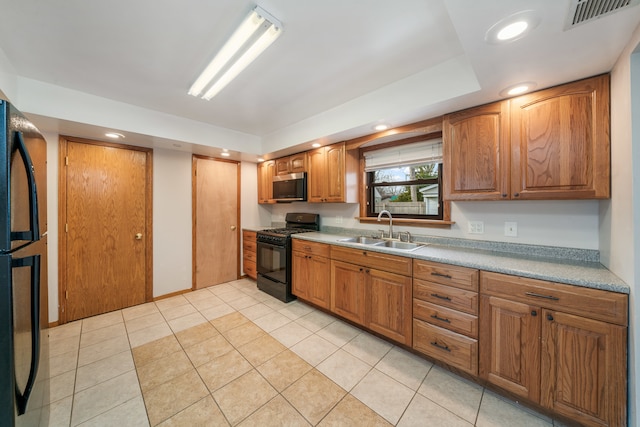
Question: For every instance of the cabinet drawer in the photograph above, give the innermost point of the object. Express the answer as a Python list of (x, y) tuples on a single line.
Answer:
[(592, 303), (460, 277), (449, 347), (447, 296), (249, 246), (453, 320), (249, 267), (249, 256), (377, 260), (311, 248)]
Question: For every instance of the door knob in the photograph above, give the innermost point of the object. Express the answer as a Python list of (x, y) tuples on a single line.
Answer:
[(233, 227), (138, 236)]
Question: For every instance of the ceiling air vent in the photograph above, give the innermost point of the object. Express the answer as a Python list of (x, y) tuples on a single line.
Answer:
[(582, 11)]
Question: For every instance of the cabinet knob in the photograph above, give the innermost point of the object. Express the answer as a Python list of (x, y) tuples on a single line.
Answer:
[(534, 313), (549, 317), (504, 194), (516, 194)]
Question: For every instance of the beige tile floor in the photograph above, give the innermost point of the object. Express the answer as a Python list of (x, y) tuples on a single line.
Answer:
[(232, 355)]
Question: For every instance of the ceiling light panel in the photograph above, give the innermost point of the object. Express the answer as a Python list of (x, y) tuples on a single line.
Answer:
[(256, 33)]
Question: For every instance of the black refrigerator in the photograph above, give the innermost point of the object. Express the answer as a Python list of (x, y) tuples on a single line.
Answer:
[(24, 343)]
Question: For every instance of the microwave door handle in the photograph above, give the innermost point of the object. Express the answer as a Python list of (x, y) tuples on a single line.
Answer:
[(22, 398), (34, 233)]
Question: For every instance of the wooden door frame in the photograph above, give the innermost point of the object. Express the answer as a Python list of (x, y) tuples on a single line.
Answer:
[(62, 215), (194, 200)]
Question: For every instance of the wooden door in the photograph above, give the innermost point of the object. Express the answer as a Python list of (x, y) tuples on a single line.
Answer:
[(298, 163), (348, 283), (510, 346), (216, 189), (389, 305), (560, 142), (320, 283), (300, 274), (105, 228), (582, 375), (476, 153)]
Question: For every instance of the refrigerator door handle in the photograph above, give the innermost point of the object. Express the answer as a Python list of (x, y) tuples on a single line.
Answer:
[(22, 397), (34, 233)]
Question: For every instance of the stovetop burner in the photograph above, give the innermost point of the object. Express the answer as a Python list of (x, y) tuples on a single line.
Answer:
[(285, 231)]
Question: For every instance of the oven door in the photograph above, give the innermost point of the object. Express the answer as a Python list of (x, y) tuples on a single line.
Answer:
[(272, 261)]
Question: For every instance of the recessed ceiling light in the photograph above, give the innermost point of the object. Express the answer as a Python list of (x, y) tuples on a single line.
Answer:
[(225, 154), (512, 28), (517, 89), (260, 159), (316, 145), (381, 127), (114, 135)]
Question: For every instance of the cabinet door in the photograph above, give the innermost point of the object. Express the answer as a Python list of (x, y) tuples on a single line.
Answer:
[(300, 274), (298, 163), (316, 178), (476, 153), (510, 346), (335, 173), (319, 291), (583, 371), (389, 305), (560, 142), (266, 171), (348, 291), (283, 166)]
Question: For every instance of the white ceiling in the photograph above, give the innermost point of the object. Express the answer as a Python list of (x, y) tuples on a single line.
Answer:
[(147, 53)]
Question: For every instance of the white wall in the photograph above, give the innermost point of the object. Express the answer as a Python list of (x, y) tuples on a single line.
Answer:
[(619, 216), (171, 221), (572, 224)]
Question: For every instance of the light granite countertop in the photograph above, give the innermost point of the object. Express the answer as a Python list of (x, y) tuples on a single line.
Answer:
[(574, 272)]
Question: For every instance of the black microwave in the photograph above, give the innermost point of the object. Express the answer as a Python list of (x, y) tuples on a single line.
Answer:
[(290, 188)]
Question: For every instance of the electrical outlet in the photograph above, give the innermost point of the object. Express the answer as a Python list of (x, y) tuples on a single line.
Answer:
[(338, 219), (476, 227), (511, 229)]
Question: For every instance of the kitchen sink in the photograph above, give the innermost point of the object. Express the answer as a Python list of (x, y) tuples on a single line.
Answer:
[(391, 244), (405, 246), (363, 240)]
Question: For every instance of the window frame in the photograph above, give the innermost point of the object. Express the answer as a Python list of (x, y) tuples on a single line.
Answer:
[(370, 195)]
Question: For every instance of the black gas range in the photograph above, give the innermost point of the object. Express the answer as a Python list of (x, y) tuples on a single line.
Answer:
[(274, 254)]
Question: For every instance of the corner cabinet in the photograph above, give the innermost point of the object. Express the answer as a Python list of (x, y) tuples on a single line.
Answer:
[(266, 171), (332, 174), (550, 144), (559, 346)]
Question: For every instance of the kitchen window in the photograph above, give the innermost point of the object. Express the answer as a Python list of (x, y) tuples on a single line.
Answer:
[(406, 180)]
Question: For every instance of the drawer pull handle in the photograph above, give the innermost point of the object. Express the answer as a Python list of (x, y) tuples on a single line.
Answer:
[(533, 294), (442, 319), (441, 347), (435, 273), (441, 297)]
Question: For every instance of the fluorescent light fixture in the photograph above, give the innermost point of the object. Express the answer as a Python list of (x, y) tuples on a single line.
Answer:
[(253, 36)]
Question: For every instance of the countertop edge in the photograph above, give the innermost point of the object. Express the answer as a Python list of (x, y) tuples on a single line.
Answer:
[(585, 274)]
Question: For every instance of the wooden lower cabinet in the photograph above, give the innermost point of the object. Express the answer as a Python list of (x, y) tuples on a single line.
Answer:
[(376, 299), (569, 363), (348, 282), (310, 272), (249, 257)]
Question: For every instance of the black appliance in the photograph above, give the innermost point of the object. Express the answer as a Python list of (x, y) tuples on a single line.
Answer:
[(274, 254), (24, 354), (290, 188)]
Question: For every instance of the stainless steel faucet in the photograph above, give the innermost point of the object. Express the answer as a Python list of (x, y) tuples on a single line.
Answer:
[(390, 221)]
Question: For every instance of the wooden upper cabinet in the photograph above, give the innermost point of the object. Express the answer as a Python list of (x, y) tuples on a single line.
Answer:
[(550, 144), (560, 142), (476, 153), (266, 171), (332, 174), (291, 164)]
